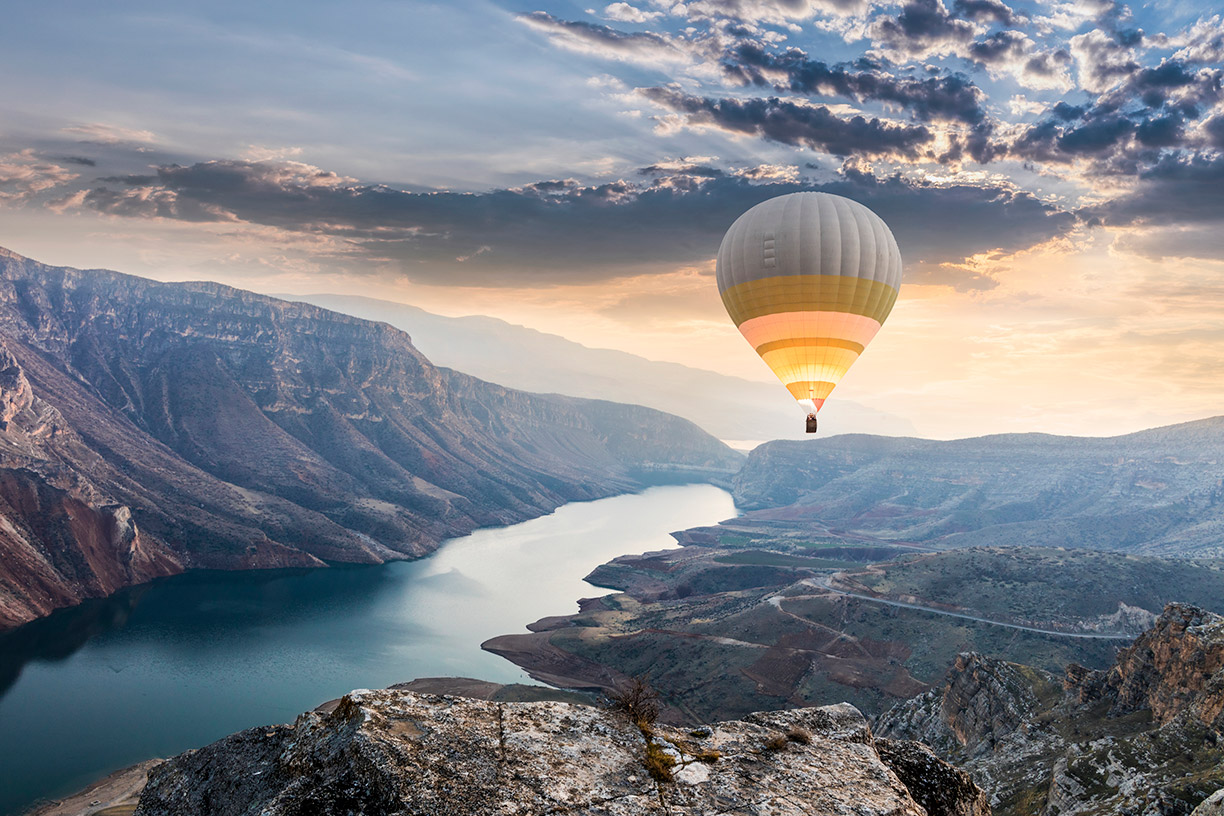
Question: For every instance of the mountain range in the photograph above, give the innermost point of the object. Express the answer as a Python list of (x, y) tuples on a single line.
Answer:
[(150, 428), (1157, 492), (742, 411)]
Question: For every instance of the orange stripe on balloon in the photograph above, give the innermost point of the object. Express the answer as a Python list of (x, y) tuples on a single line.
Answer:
[(786, 325)]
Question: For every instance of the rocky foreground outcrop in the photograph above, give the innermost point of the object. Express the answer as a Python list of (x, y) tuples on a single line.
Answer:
[(1142, 737), (149, 428), (400, 752)]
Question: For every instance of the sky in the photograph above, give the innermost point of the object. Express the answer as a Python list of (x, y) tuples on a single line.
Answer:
[(1053, 173)]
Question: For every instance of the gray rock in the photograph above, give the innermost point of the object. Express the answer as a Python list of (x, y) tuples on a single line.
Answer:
[(942, 789), (1213, 805), (399, 752)]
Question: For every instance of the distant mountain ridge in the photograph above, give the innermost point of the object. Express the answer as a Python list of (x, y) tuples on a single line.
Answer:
[(731, 408), (1157, 492), (150, 428)]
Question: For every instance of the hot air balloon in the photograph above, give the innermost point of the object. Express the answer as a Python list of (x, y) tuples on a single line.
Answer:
[(808, 279)]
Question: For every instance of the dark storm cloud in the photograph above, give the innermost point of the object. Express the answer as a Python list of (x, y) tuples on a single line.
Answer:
[(1131, 127), (789, 123), (921, 27), (999, 47), (697, 170), (80, 160), (986, 11), (1215, 132), (951, 97), (561, 231), (1177, 190)]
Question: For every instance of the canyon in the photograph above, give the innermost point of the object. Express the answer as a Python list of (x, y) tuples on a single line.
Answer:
[(153, 428)]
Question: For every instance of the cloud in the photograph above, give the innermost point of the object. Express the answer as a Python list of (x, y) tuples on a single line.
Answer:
[(987, 11), (1013, 53), (923, 28), (603, 41), (266, 153), (1202, 42), (1104, 59), (101, 133), (1131, 127), (625, 13), (24, 175), (1177, 191), (792, 123), (1205, 241), (771, 11), (950, 97), (561, 231)]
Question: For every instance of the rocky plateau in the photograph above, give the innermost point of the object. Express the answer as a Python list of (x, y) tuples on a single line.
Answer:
[(400, 752)]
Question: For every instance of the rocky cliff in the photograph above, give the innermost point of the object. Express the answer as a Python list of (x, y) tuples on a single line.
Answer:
[(1141, 737), (1175, 668), (1159, 492), (149, 428), (394, 752)]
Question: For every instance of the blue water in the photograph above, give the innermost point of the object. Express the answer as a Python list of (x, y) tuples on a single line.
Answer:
[(179, 663)]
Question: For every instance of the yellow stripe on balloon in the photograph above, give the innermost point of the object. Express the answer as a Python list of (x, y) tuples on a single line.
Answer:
[(809, 293), (829, 367)]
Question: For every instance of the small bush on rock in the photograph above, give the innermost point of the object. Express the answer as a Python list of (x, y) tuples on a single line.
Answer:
[(636, 700), (799, 735)]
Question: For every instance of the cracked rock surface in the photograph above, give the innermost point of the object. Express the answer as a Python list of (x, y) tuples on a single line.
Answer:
[(400, 752)]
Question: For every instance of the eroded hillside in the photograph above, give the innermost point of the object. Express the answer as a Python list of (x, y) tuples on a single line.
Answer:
[(151, 428)]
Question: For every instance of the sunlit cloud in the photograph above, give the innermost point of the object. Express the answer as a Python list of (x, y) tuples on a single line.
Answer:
[(1051, 173), (25, 174), (108, 134)]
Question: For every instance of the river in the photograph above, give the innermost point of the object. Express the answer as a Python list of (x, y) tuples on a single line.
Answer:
[(179, 663)]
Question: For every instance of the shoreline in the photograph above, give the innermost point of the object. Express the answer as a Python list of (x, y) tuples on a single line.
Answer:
[(115, 794)]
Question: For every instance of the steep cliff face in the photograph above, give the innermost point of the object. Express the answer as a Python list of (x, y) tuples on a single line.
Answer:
[(1174, 668), (387, 752), (1142, 737), (211, 427), (981, 702)]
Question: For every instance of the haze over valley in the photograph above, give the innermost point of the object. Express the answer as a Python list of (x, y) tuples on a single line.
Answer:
[(739, 411)]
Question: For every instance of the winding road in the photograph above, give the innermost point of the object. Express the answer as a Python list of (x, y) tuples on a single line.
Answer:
[(823, 583)]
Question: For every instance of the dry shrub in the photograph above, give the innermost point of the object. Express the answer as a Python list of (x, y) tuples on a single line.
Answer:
[(658, 762), (799, 735), (637, 701), (778, 742)]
